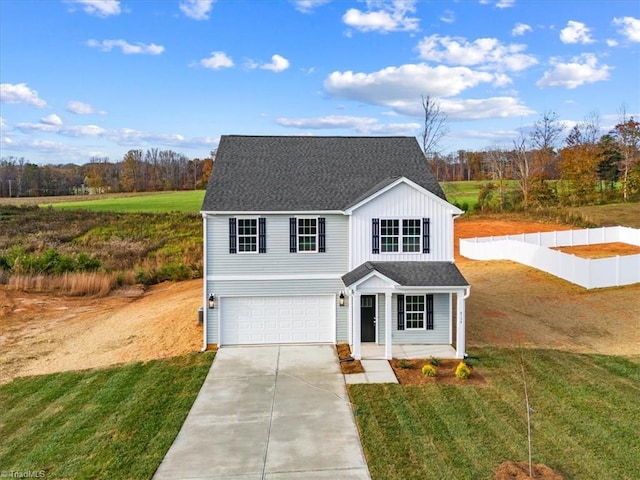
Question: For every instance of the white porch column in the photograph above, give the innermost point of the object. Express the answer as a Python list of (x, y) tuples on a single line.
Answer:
[(357, 337), (460, 327), (388, 345)]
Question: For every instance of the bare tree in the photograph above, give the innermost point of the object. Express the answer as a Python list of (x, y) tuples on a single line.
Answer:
[(435, 127), (497, 163), (627, 134)]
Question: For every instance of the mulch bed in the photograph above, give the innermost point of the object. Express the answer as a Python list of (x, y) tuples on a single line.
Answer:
[(353, 366), (520, 471), (409, 372)]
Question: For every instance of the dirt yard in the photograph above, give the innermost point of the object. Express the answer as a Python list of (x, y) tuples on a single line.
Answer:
[(510, 304)]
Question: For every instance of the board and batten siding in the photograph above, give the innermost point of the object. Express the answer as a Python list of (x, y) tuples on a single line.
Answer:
[(442, 321), (403, 201)]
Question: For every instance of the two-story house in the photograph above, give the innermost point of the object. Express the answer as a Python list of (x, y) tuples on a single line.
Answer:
[(327, 240)]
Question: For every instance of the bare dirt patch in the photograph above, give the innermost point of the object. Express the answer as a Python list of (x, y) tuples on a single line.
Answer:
[(409, 372), (520, 471), (600, 250), (347, 363), (44, 333)]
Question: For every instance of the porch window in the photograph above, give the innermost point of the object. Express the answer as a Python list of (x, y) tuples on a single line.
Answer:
[(419, 312)]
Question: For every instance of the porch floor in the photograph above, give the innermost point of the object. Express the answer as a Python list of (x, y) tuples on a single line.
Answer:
[(373, 351)]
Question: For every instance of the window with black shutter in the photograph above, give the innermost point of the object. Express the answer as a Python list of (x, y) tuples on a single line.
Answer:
[(322, 244), (375, 235), (400, 312), (262, 235), (293, 235), (232, 235), (425, 235)]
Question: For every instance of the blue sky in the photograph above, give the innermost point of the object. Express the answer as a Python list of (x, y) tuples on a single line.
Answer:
[(95, 78)]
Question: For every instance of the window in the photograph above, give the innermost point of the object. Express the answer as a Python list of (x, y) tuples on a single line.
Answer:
[(247, 235), (307, 235), (414, 308), (409, 235), (415, 312), (389, 232)]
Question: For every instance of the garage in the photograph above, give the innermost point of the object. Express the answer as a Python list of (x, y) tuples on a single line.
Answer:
[(286, 319)]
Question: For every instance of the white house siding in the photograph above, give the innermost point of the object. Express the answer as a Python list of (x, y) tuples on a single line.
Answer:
[(441, 322), (403, 201)]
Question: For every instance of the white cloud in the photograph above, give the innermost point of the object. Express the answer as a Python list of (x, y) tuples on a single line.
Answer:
[(58, 128), (611, 42), (99, 8), (520, 29), (216, 61), (80, 108), (307, 6), (488, 52), (448, 16), (393, 16), (629, 27), (126, 47), (576, 32), (196, 9), (361, 125), (52, 119), (20, 93), (394, 85), (278, 64), (470, 109), (505, 3), (581, 70)]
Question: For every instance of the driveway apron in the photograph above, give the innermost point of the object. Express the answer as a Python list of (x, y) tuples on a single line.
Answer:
[(269, 412)]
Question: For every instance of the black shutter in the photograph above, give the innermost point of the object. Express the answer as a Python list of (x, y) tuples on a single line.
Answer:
[(425, 235), (262, 235), (400, 312), (375, 235), (232, 235), (429, 312), (321, 235), (293, 235)]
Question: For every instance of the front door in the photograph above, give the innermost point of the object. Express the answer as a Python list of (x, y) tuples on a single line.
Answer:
[(368, 318)]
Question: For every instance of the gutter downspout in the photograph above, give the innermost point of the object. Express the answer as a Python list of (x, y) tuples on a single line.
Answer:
[(205, 310)]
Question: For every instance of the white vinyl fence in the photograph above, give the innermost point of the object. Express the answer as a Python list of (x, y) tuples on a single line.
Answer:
[(532, 249)]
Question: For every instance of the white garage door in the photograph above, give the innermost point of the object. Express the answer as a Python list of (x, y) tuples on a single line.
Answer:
[(292, 319)]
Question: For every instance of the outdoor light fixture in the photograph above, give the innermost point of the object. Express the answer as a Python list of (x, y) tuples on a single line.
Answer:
[(341, 299), (212, 301)]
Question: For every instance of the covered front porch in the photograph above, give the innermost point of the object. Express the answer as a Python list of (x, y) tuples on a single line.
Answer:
[(406, 310)]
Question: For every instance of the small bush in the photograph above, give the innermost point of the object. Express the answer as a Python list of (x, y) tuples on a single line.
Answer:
[(429, 370), (434, 361), (404, 363), (463, 371)]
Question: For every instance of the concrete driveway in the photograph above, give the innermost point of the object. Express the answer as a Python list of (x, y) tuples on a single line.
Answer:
[(269, 412)]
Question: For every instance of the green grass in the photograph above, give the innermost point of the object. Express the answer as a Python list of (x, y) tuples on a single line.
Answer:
[(188, 202), (585, 424), (109, 423)]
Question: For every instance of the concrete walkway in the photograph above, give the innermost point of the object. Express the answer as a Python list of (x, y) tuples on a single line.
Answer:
[(269, 412)]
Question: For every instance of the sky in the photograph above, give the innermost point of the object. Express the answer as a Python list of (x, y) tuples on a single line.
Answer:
[(96, 78)]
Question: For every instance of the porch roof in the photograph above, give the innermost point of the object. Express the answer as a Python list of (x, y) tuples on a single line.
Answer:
[(411, 274)]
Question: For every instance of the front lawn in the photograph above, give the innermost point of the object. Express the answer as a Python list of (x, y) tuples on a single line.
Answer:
[(110, 423), (585, 423)]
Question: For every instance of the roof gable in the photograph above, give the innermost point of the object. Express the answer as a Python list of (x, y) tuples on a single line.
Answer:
[(409, 274), (268, 173)]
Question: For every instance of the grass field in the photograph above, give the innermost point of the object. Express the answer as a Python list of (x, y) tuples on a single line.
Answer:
[(188, 202), (115, 423), (585, 422)]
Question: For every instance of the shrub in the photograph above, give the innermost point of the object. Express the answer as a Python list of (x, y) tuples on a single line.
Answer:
[(434, 361), (429, 370), (463, 371), (404, 363)]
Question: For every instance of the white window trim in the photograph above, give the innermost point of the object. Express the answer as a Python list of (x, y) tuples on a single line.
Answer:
[(298, 234), (400, 236), (424, 313), (254, 252)]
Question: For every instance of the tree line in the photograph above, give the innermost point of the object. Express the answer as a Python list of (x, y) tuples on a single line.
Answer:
[(138, 171), (542, 169)]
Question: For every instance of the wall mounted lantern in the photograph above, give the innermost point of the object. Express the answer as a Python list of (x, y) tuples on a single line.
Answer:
[(341, 299), (212, 301)]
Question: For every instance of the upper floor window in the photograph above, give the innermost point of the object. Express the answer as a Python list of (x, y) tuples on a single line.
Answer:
[(409, 235), (307, 234), (247, 235)]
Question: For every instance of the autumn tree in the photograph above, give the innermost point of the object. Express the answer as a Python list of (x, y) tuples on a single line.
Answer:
[(627, 135)]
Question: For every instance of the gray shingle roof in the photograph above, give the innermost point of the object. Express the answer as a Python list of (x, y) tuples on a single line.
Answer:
[(411, 274), (270, 173)]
